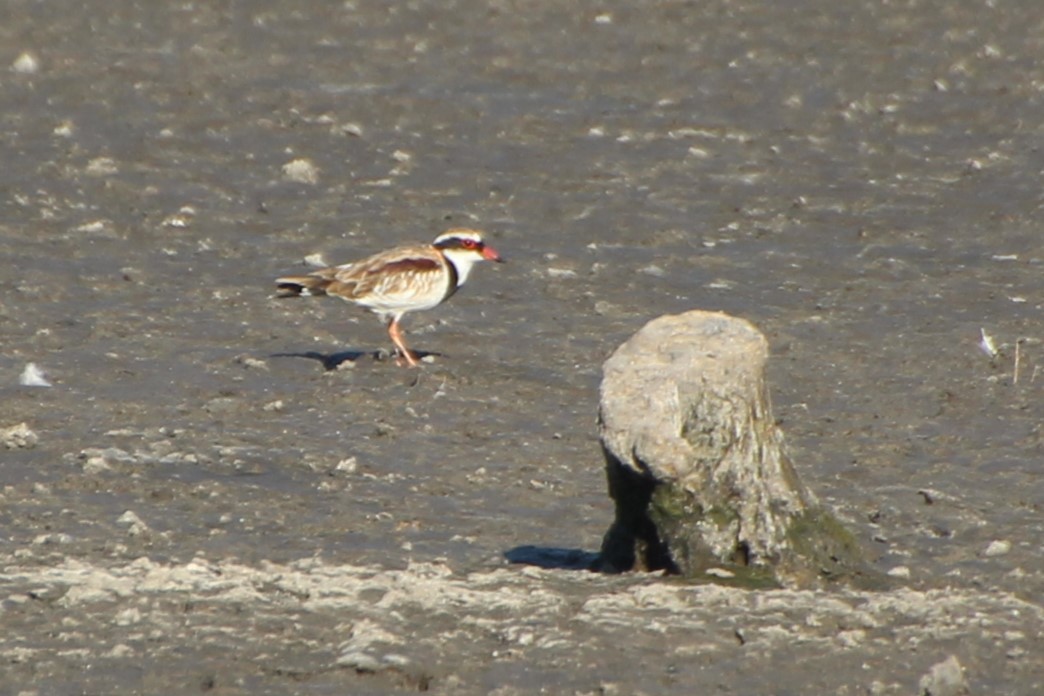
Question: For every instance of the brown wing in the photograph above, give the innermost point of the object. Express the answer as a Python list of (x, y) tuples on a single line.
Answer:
[(397, 272)]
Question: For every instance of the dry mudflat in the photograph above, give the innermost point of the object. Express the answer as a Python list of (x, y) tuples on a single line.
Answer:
[(221, 492)]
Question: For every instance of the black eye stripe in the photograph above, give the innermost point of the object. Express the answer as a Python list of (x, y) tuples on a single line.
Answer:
[(460, 243)]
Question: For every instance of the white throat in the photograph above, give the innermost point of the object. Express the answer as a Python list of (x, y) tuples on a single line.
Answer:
[(462, 261)]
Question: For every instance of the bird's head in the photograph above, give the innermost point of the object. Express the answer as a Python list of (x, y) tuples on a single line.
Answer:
[(463, 248)]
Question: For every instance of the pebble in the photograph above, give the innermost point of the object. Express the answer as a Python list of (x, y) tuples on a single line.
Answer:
[(301, 171), (120, 650), (997, 547), (352, 129), (128, 617), (26, 63), (179, 220), (18, 437), (95, 464), (33, 376), (945, 678), (349, 465), (134, 524), (102, 166)]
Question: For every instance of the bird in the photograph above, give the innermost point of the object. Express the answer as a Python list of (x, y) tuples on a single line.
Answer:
[(394, 282)]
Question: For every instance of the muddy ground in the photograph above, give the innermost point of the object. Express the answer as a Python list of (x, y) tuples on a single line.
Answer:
[(228, 493)]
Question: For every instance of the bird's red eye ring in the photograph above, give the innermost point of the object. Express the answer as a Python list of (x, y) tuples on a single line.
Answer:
[(469, 243)]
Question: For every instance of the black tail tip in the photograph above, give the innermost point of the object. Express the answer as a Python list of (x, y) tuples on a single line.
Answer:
[(288, 290)]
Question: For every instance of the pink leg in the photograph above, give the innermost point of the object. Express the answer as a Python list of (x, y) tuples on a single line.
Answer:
[(395, 332)]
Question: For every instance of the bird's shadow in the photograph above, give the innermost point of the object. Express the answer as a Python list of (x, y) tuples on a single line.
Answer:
[(332, 361), (329, 361), (551, 558)]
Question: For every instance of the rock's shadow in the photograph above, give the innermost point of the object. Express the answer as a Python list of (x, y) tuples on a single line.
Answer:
[(552, 558)]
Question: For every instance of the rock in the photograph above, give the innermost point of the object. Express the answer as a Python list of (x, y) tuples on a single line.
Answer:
[(26, 63), (134, 524), (102, 166), (997, 547), (944, 679), (18, 437), (33, 376), (899, 572), (698, 469), (301, 171)]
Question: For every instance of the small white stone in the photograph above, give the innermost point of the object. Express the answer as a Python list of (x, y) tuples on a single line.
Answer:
[(177, 221), (256, 364), (720, 573), (94, 226), (997, 547), (26, 63), (128, 617), (352, 129), (18, 437), (95, 464), (349, 465), (899, 572), (134, 524), (301, 170), (129, 517), (102, 166), (33, 376), (946, 677), (852, 638), (990, 51), (120, 650)]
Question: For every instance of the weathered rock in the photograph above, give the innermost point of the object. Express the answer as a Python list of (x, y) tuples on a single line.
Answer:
[(698, 468), (945, 678), (18, 437)]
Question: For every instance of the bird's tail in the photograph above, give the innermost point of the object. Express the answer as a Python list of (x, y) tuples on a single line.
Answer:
[(297, 286)]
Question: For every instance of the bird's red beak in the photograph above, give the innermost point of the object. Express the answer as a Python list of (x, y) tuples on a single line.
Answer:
[(490, 254)]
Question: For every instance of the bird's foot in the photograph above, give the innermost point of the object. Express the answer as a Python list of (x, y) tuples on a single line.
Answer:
[(406, 359)]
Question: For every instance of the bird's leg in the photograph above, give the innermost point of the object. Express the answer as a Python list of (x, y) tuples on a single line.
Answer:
[(395, 332)]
